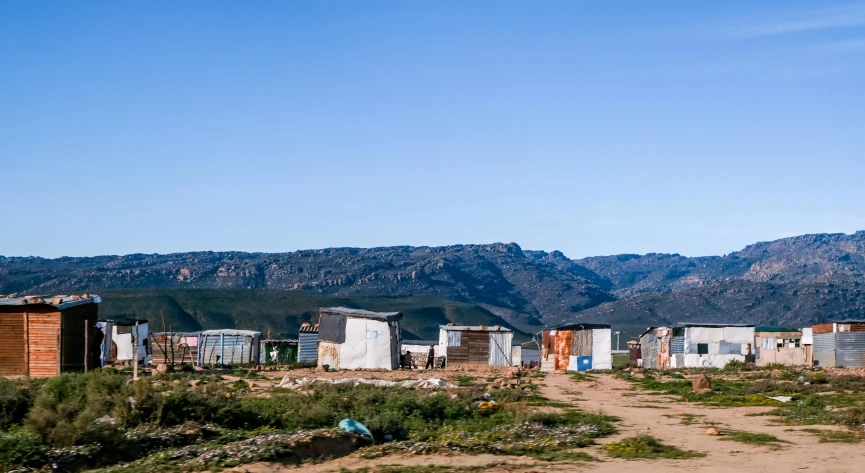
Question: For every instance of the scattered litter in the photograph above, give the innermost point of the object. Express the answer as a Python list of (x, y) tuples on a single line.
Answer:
[(800, 379), (354, 427), (432, 383), (781, 398)]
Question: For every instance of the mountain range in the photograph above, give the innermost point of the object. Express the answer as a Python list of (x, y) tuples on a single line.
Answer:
[(789, 281)]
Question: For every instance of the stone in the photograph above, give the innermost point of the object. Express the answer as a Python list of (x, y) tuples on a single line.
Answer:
[(194, 383), (162, 368), (499, 381), (701, 384), (713, 432)]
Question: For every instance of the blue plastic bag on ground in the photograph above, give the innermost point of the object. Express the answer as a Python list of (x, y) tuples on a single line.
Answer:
[(355, 427)]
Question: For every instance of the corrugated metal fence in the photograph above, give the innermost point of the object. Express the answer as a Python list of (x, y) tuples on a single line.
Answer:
[(228, 349), (849, 349), (307, 347), (500, 348), (824, 349)]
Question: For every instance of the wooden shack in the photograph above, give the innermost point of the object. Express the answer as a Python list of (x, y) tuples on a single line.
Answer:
[(475, 345), (43, 336)]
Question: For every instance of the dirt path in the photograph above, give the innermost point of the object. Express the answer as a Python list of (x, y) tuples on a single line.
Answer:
[(662, 420)]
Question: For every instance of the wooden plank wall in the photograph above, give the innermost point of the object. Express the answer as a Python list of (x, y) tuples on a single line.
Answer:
[(43, 330), (13, 354), (72, 348)]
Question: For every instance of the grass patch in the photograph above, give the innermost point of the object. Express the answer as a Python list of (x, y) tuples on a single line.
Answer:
[(648, 406), (464, 380), (691, 419), (580, 376), (835, 436), (424, 468), (752, 438), (646, 446), (563, 456)]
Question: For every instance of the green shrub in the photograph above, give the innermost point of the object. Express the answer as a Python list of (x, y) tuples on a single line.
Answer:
[(16, 399), (646, 446), (21, 449)]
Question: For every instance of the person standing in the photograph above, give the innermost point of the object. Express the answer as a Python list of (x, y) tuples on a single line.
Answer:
[(431, 357)]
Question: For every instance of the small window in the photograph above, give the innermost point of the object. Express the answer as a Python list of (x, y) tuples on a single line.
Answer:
[(702, 348)]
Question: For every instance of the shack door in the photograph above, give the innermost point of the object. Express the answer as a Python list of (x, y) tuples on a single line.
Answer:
[(13, 351)]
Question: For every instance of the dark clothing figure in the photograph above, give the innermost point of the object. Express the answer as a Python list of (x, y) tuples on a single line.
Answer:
[(96, 348), (431, 358)]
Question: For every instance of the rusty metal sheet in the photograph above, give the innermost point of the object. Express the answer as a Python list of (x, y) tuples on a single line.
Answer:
[(328, 354), (823, 328), (563, 343)]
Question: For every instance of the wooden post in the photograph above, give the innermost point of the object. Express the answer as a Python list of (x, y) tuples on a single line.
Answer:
[(86, 344), (136, 342)]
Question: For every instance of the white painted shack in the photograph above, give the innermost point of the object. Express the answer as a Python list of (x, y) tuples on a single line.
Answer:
[(120, 338), (229, 347), (703, 345), (359, 339), (307, 343), (475, 345), (577, 347)]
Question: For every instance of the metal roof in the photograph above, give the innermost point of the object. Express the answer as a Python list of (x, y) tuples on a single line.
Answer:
[(580, 327), (62, 302), (248, 333), (474, 328), (420, 342), (845, 322), (362, 314), (699, 324), (776, 329)]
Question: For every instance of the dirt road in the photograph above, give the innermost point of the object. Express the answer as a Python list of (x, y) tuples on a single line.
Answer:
[(658, 416)]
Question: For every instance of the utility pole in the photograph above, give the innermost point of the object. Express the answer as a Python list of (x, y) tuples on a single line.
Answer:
[(618, 334)]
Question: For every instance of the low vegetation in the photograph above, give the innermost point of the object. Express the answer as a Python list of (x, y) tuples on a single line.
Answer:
[(752, 438), (192, 422), (818, 397), (646, 446)]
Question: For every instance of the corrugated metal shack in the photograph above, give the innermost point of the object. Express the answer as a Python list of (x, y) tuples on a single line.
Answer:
[(708, 345), (44, 336), (781, 345), (839, 344), (174, 348), (475, 345), (577, 347), (359, 339), (279, 352), (120, 338), (229, 347), (655, 347), (307, 343)]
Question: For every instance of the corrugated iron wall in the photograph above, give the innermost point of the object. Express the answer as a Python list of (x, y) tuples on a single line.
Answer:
[(500, 348), (649, 347), (677, 345), (582, 344), (307, 347), (850, 349), (824, 349), (230, 349)]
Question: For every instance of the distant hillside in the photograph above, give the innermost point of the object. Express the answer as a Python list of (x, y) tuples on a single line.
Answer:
[(281, 313), (739, 301), (810, 277), (807, 259), (529, 288)]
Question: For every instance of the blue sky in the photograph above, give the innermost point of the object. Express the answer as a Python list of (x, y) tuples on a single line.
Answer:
[(589, 127)]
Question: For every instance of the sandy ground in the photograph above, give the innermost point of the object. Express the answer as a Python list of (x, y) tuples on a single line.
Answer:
[(612, 396)]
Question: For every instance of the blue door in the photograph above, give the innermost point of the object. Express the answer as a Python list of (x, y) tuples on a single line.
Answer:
[(584, 363)]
